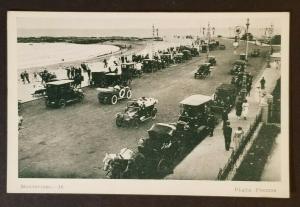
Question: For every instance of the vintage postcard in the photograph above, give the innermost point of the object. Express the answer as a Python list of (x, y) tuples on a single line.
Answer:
[(148, 103)]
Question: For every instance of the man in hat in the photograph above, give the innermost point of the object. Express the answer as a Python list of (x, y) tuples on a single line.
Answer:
[(227, 132)]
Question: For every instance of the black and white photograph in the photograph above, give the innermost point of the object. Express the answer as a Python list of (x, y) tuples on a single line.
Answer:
[(149, 103)]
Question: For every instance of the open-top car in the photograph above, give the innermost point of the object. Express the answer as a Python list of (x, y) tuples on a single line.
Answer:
[(224, 97), (137, 111), (112, 95), (194, 111), (212, 60), (203, 71), (59, 93), (150, 65)]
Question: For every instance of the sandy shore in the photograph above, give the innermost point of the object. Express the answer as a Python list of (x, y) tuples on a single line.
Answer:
[(26, 90)]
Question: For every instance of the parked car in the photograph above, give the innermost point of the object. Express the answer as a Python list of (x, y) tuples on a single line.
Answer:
[(194, 111), (137, 111), (187, 55), (130, 70), (178, 58), (150, 65), (224, 97), (194, 52), (60, 93), (112, 95), (203, 71)]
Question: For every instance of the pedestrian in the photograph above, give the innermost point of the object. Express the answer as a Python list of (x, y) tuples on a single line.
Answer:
[(262, 83), (245, 107), (248, 88), (72, 72), (22, 77), (238, 108), (238, 135), (224, 116), (68, 72), (27, 76), (227, 132), (35, 75), (211, 124), (105, 63), (89, 73)]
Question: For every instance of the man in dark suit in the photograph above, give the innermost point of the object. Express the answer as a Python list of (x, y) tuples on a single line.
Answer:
[(227, 131)]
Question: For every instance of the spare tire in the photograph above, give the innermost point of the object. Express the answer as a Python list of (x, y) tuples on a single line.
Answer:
[(114, 99), (122, 93)]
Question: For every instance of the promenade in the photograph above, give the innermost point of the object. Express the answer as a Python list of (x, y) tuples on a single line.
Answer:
[(205, 161)]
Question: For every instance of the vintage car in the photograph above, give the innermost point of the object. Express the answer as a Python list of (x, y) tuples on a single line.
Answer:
[(212, 60), (187, 55), (203, 71), (150, 65), (222, 47), (243, 56), (59, 93), (130, 70), (111, 95), (224, 98), (137, 111), (194, 52), (166, 58), (194, 112), (178, 57), (255, 53), (238, 66)]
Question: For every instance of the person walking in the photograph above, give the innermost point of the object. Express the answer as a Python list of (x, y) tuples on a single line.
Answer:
[(224, 117), (211, 125), (227, 132), (26, 74), (238, 134), (238, 108), (245, 107), (22, 77), (262, 83)]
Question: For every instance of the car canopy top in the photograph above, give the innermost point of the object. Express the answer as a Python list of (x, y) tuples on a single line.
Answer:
[(60, 82), (240, 62), (161, 129), (226, 87), (196, 100)]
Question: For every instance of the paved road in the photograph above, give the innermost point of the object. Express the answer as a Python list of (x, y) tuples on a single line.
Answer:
[(72, 142)]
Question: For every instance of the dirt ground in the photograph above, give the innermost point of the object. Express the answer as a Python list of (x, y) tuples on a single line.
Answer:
[(71, 142)]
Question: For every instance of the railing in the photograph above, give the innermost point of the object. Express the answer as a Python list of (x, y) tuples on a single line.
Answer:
[(235, 155)]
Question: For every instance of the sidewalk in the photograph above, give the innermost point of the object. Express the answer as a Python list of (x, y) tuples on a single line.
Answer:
[(204, 162)]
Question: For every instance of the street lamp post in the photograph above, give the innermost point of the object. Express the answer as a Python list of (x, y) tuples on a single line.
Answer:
[(247, 38), (269, 33), (208, 37)]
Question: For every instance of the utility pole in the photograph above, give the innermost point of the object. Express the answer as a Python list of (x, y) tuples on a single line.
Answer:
[(156, 32), (208, 36), (269, 33), (153, 31), (247, 38)]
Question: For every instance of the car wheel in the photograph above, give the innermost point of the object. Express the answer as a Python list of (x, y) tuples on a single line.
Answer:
[(62, 103), (122, 93), (47, 103), (128, 94), (163, 167), (114, 99), (153, 113), (119, 122)]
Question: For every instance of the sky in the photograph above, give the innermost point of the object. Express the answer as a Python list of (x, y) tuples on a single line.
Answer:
[(69, 20)]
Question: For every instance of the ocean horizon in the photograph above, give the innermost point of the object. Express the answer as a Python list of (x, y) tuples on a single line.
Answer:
[(133, 32)]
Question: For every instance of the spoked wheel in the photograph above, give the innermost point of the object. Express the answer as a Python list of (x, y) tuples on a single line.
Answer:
[(153, 113), (114, 99), (163, 167), (122, 93), (62, 103), (119, 122), (128, 94)]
